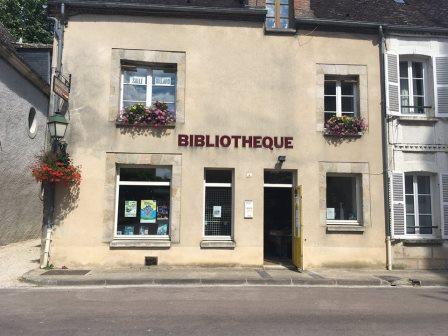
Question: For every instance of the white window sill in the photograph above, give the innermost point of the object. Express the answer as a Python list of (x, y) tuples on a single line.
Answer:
[(140, 243), (417, 118), (344, 226), (217, 244), (418, 241)]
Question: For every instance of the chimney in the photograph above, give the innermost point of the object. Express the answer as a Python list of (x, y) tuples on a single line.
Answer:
[(303, 8)]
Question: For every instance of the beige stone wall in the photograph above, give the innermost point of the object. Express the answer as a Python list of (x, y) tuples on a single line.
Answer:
[(238, 81)]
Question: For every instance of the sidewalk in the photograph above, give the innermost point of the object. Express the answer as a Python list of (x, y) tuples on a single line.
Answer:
[(180, 275)]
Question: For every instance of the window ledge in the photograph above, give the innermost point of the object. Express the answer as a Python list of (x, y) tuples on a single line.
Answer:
[(345, 228), (421, 241), (280, 31), (140, 243), (218, 244), (328, 134), (120, 124), (424, 119)]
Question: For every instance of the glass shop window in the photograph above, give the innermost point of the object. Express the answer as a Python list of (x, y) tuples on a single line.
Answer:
[(146, 85), (218, 203), (143, 202), (343, 198)]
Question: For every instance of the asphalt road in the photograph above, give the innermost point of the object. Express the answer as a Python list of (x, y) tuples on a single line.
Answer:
[(224, 311)]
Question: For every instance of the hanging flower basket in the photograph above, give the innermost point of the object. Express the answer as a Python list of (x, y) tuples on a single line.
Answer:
[(139, 115), (345, 126), (56, 168)]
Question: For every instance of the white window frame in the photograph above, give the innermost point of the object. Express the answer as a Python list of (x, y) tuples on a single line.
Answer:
[(416, 207), (410, 60), (139, 183), (218, 185), (359, 210), (339, 95), (149, 86)]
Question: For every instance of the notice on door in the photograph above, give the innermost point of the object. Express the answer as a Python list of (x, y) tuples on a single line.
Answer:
[(217, 211), (248, 209)]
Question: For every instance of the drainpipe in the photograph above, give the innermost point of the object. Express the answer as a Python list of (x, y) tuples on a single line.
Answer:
[(49, 191), (385, 149)]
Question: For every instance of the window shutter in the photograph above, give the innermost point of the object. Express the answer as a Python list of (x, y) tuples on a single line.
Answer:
[(392, 84), (444, 204), (441, 85), (397, 202)]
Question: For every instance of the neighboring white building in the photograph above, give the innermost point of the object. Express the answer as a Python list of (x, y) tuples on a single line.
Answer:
[(417, 126)]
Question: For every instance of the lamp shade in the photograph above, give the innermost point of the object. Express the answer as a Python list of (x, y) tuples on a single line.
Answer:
[(57, 125)]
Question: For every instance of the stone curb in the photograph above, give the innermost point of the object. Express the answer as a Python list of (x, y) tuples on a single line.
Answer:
[(38, 280)]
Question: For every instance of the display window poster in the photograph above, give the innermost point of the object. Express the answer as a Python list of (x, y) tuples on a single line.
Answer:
[(162, 229), (217, 210), (162, 211), (162, 81), (130, 208), (148, 211), (128, 230)]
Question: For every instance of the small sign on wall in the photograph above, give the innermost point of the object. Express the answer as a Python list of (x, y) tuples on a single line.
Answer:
[(166, 81), (248, 209)]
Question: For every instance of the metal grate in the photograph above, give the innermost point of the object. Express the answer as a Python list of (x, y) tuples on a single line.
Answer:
[(218, 197)]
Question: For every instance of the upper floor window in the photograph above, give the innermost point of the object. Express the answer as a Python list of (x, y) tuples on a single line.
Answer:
[(341, 96), (412, 86), (146, 85), (278, 13)]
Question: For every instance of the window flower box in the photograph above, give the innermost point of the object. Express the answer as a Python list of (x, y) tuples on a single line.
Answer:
[(345, 127), (56, 168), (138, 115)]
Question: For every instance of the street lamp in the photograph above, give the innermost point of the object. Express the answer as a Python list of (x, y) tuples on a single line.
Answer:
[(57, 125)]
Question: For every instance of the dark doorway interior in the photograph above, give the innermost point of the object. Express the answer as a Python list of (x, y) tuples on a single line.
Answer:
[(277, 224)]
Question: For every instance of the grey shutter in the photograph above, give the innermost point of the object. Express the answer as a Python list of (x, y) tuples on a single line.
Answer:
[(392, 83), (397, 203), (441, 85), (444, 204)]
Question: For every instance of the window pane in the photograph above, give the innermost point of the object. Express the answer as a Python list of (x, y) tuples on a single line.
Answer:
[(134, 92), (218, 211), (410, 224), (164, 77), (277, 177), (284, 11), (408, 182), (419, 103), (330, 103), (348, 104), (424, 204), (135, 77), (404, 69), (410, 204), (284, 2), (161, 174), (418, 87), (330, 88), (424, 184), (143, 210), (164, 94), (425, 224), (271, 10), (341, 197), (284, 23), (404, 87), (417, 69), (218, 176), (270, 23), (347, 89)]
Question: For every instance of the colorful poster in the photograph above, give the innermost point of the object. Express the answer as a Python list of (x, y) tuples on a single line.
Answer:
[(148, 211), (217, 211), (162, 229), (162, 212), (130, 208)]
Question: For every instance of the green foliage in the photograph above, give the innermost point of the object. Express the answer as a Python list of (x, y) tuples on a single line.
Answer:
[(26, 19)]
